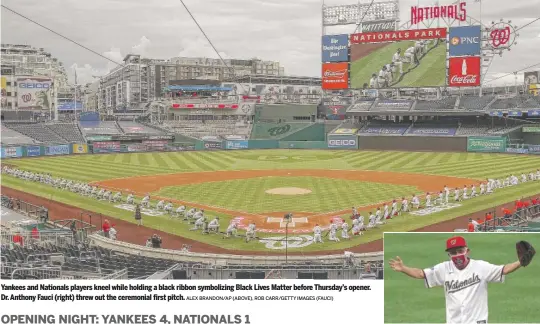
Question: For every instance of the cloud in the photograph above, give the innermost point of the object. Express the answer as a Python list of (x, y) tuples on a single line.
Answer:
[(199, 48), (142, 47)]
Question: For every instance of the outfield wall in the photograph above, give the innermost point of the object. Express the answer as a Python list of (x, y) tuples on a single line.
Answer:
[(413, 143), (481, 144)]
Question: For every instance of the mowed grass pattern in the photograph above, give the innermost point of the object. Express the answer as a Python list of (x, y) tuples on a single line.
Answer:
[(109, 166), (407, 300), (250, 194)]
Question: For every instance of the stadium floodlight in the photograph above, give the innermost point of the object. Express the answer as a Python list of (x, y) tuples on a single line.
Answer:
[(352, 14)]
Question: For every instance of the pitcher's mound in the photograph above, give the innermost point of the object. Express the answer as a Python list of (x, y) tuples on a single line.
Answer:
[(290, 191)]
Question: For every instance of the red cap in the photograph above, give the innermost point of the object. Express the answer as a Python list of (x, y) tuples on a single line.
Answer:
[(455, 242)]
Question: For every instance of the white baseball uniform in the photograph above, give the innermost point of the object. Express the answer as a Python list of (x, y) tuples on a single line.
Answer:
[(428, 201), (374, 83), (250, 233), (409, 54), (317, 237), (345, 230), (386, 212), (214, 225), (482, 189), (372, 221), (332, 235), (405, 205), (465, 290), (396, 59), (180, 210), (160, 204), (415, 202), (465, 195)]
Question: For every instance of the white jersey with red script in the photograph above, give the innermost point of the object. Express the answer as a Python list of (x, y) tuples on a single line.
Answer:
[(465, 290)]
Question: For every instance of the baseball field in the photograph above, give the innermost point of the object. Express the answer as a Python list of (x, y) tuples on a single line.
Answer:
[(408, 301), (367, 59), (260, 186)]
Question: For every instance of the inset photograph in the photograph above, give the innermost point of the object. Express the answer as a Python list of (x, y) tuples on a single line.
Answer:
[(461, 277)]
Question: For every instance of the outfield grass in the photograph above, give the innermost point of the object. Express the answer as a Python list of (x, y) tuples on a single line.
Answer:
[(408, 301), (250, 194), (431, 71), (100, 167), (108, 166)]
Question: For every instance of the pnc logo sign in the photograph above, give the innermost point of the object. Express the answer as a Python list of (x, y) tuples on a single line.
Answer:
[(464, 40)]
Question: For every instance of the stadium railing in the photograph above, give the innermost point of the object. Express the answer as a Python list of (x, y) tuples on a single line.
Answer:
[(225, 259)]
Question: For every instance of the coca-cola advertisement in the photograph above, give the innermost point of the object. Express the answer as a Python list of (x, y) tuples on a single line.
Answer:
[(335, 76), (464, 71)]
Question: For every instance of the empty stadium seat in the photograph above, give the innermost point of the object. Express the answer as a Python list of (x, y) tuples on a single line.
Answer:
[(432, 105), (68, 131), (39, 132)]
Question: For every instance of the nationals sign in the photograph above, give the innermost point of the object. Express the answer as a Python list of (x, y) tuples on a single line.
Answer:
[(400, 35), (464, 71), (454, 11), (335, 76), (34, 92)]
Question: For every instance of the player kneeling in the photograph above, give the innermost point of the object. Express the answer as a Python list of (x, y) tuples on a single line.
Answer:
[(345, 231), (250, 233), (199, 224), (213, 226), (332, 235), (169, 208), (317, 234), (232, 229)]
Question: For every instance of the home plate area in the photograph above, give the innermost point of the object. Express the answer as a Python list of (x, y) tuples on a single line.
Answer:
[(434, 209), (145, 211)]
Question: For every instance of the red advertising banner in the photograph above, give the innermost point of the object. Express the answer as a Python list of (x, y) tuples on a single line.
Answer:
[(464, 71), (400, 35), (335, 76), (204, 106)]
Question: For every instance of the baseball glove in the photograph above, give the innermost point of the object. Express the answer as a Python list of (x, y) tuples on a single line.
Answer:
[(525, 252)]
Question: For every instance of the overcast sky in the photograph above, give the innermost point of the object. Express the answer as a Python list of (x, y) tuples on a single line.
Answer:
[(287, 31)]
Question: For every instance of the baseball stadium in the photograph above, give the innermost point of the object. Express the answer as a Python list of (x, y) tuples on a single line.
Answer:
[(258, 178)]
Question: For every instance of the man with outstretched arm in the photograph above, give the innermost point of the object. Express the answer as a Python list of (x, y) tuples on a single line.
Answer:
[(465, 280)]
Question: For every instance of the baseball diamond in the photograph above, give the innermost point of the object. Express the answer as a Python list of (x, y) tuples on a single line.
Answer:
[(234, 185)]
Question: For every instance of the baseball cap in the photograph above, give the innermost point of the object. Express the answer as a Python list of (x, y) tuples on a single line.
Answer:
[(455, 242)]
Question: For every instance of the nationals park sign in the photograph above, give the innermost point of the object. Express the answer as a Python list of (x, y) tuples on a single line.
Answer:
[(400, 35)]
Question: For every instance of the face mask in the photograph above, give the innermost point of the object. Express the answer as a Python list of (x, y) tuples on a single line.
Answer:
[(460, 260)]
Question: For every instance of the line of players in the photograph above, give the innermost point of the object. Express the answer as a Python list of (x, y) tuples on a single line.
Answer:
[(441, 199), (198, 219), (192, 215), (385, 77)]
